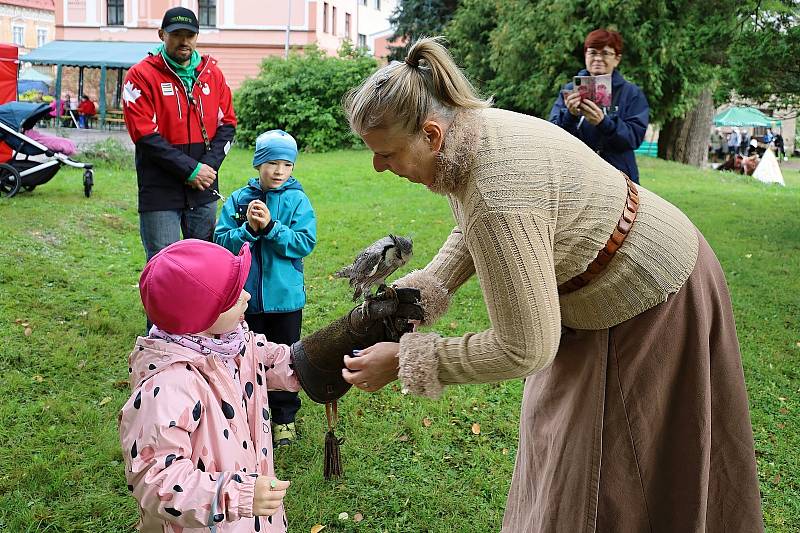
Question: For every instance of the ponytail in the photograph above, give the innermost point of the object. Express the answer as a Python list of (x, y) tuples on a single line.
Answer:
[(428, 83)]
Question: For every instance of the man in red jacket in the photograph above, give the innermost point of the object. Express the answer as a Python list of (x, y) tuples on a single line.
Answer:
[(179, 114)]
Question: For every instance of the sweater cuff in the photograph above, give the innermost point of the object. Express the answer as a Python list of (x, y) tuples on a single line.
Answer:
[(419, 365), (247, 492), (435, 298), (193, 175)]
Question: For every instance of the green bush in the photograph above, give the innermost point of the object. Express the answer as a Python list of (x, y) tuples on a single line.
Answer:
[(109, 151), (303, 96)]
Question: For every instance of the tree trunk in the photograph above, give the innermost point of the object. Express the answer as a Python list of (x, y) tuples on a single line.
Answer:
[(686, 139)]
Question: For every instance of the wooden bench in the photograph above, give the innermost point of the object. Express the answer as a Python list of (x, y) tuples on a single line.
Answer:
[(114, 118), (647, 149)]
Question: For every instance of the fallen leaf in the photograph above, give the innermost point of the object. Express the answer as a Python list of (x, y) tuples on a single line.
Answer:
[(25, 324), (37, 378), (402, 438), (781, 425), (28, 332), (104, 401), (776, 479), (82, 363), (317, 528), (782, 398), (83, 313), (19, 321), (476, 428), (344, 516), (330, 278), (783, 411), (358, 517), (505, 451), (453, 325), (426, 422), (748, 255)]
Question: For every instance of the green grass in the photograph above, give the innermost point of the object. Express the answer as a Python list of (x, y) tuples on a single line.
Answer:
[(69, 268)]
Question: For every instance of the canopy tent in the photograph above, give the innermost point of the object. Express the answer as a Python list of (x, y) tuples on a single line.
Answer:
[(90, 54), (32, 80), (768, 170), (35, 75), (745, 116)]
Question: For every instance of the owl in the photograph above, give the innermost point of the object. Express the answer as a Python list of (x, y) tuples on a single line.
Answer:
[(375, 263)]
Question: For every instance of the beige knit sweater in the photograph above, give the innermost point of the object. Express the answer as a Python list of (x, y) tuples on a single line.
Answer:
[(533, 205)]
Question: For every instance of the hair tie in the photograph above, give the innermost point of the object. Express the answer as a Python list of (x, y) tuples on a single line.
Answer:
[(410, 64)]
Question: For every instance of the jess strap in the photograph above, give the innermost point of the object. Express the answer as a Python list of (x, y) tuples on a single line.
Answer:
[(614, 242)]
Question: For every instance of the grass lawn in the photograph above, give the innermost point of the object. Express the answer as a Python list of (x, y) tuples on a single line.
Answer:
[(70, 310)]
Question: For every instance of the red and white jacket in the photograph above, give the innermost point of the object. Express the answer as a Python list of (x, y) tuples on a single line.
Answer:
[(166, 125)]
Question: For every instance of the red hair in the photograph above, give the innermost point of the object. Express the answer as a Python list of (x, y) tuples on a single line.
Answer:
[(599, 39)]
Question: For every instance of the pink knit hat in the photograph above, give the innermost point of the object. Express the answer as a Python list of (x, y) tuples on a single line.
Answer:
[(188, 284)]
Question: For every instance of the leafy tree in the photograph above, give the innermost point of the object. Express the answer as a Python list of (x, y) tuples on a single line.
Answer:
[(674, 50), (764, 65), (413, 19), (303, 95)]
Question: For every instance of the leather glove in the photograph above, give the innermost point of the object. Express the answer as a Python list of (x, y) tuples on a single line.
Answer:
[(318, 359)]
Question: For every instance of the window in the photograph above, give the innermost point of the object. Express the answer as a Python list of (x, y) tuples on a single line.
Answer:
[(41, 36), (333, 20), (377, 4), (325, 17), (362, 40), (208, 13), (363, 2), (347, 25), (116, 12), (18, 35)]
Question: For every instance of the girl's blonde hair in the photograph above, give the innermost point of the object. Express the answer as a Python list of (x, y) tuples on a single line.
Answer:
[(407, 93)]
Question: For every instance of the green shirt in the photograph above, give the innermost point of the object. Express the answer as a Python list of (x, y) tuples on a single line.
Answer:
[(187, 73)]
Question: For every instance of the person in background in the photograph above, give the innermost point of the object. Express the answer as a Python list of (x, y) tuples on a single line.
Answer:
[(613, 133), (744, 141), (717, 145), (274, 215), (733, 142), (86, 110), (780, 149)]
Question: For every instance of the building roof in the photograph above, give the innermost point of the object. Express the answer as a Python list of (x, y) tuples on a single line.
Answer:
[(44, 5), (89, 53)]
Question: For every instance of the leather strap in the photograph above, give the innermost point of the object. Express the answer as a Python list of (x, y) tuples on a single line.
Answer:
[(605, 255)]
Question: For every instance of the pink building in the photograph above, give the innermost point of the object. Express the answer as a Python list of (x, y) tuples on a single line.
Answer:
[(239, 33)]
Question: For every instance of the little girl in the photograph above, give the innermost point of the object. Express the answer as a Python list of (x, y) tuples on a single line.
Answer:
[(195, 432)]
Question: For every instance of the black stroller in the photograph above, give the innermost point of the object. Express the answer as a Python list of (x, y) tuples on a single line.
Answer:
[(20, 171)]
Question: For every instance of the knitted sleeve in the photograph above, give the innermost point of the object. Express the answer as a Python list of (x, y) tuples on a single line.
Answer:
[(513, 258)]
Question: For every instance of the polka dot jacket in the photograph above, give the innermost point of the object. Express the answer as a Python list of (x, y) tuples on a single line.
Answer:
[(195, 439)]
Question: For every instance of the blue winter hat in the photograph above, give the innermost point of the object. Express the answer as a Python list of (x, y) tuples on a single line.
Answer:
[(275, 145)]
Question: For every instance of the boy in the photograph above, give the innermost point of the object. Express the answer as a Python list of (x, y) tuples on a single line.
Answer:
[(274, 214)]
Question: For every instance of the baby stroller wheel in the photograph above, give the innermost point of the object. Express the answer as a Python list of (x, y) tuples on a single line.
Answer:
[(10, 180), (29, 188), (88, 182)]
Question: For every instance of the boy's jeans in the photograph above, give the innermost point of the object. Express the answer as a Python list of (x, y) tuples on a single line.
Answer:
[(159, 229)]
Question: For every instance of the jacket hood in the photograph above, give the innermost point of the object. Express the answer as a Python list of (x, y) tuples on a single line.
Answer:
[(291, 183), (151, 356), (158, 62)]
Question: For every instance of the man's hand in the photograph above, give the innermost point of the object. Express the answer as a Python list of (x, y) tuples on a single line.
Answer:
[(268, 495), (374, 368), (258, 215), (573, 103), (594, 115), (205, 178)]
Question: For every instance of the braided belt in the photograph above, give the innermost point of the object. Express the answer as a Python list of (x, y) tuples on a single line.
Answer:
[(610, 249)]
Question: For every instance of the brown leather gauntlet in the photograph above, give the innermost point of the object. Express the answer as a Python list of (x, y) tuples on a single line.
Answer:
[(318, 358)]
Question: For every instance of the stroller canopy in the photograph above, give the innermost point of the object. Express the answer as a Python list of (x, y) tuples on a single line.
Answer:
[(21, 116)]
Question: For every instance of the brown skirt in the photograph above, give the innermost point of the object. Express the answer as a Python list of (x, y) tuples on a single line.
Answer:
[(642, 427)]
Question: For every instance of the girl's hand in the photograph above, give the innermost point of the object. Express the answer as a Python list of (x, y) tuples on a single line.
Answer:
[(268, 495), (594, 115), (374, 368)]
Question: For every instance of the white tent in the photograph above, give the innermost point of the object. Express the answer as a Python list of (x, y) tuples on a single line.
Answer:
[(768, 170)]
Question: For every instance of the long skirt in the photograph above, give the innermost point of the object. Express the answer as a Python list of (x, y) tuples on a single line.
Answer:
[(643, 427)]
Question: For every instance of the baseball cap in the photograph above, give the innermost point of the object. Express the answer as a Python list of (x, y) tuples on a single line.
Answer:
[(180, 18), (188, 284)]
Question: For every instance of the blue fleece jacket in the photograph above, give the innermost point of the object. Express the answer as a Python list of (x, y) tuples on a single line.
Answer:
[(275, 282), (619, 133)]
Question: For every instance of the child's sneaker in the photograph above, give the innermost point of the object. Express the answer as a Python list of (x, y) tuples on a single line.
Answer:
[(283, 434)]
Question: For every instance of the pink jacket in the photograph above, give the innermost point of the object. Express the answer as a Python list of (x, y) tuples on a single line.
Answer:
[(194, 442)]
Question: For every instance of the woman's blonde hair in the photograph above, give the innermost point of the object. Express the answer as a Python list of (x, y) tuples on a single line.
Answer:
[(407, 93)]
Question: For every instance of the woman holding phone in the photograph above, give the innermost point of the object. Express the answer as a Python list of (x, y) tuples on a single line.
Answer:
[(613, 132)]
